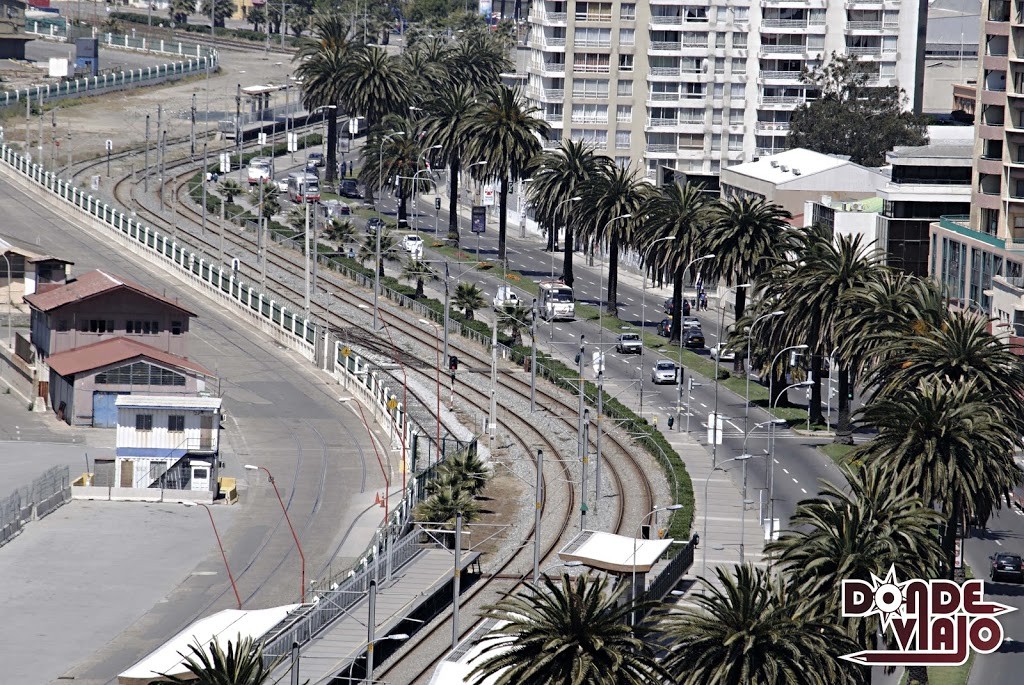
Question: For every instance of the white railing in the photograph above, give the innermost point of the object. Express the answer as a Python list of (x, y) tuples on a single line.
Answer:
[(662, 20), (864, 25), (594, 119), (593, 16), (664, 71), (666, 45), (784, 23), (873, 50), (773, 49), (591, 68), (588, 43), (763, 126), (661, 147), (788, 75), (663, 97), (781, 100), (662, 123)]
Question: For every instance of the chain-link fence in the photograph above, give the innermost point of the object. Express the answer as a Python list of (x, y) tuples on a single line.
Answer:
[(31, 502)]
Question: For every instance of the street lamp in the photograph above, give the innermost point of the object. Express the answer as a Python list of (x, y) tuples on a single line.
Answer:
[(554, 243), (771, 455), (405, 403), (741, 458), (437, 378), (604, 302), (636, 540), (380, 182), (643, 316), (298, 545), (221, 546), (718, 361), (678, 316), (10, 301), (750, 338)]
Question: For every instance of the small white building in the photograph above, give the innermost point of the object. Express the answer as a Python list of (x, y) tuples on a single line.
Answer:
[(167, 441), (847, 218)]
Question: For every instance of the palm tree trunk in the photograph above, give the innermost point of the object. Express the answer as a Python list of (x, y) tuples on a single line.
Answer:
[(814, 406), (949, 535), (453, 201), (567, 253), (844, 422), (738, 309), (332, 145), (552, 237), (613, 274), (677, 308), (502, 217), (778, 382), (403, 205), (419, 288), (917, 675)]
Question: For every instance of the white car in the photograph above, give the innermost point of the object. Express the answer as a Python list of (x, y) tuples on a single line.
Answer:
[(727, 354), (690, 322), (412, 243), (664, 372), (506, 297)]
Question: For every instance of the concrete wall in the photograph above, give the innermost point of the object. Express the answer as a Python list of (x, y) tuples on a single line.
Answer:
[(139, 494)]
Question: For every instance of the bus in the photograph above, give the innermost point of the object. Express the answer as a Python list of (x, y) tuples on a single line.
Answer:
[(556, 301), (303, 187)]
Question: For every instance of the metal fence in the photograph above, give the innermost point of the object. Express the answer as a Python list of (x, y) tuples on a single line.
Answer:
[(46, 493), (670, 575)]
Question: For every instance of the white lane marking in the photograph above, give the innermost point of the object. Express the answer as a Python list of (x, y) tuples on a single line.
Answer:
[(703, 405), (796, 481), (999, 543), (625, 362), (776, 461), (803, 491), (735, 426), (786, 471), (630, 299), (558, 328)]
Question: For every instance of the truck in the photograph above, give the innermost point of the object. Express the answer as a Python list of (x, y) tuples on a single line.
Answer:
[(505, 297), (556, 301)]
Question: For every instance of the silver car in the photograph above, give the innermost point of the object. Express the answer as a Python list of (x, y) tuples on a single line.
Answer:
[(664, 372)]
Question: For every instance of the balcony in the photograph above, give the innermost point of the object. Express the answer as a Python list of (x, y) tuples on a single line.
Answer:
[(594, 16), (665, 71), (546, 93), (591, 68), (663, 97), (771, 126), (662, 123), (864, 26), (587, 43), (558, 67), (765, 151), (661, 147), (780, 75), (788, 49), (785, 23), (667, 45), (781, 100), (870, 51), (541, 17), (551, 116), (666, 21)]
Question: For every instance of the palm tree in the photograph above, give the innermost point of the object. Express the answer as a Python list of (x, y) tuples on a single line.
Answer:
[(271, 204), (445, 125), (222, 9), (948, 441), (257, 16), (374, 84), (559, 176), (462, 470), (320, 61), (615, 193), (678, 212), (229, 188), (241, 664), (180, 11), (469, 298), (442, 507), (746, 235), (395, 164), (388, 252), (514, 318), (416, 272), (503, 131), (341, 231), (753, 629), (478, 59), (573, 631)]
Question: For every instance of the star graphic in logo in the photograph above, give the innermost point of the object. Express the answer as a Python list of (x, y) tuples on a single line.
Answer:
[(889, 597)]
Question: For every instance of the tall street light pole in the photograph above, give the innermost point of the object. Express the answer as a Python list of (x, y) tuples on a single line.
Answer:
[(380, 182), (750, 338), (601, 294), (643, 315), (771, 456), (287, 518), (437, 377), (718, 358), (223, 555), (704, 538), (633, 595)]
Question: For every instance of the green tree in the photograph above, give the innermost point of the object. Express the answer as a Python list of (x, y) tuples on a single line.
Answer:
[(222, 9), (503, 131), (478, 59), (241, 664), (391, 160), (416, 271), (271, 203), (341, 231), (297, 17), (229, 188), (461, 470), (388, 250), (468, 298), (671, 238), (445, 124), (514, 317), (180, 10), (558, 176), (442, 507), (754, 629), (256, 15), (573, 631), (852, 117), (374, 84)]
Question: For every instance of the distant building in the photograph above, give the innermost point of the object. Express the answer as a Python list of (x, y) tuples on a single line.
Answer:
[(965, 97), (846, 218), (12, 29), (951, 50), (24, 271)]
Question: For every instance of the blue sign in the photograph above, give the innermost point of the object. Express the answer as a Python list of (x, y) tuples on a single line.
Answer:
[(479, 224)]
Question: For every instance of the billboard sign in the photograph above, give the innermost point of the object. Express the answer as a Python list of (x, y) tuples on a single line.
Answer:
[(479, 224)]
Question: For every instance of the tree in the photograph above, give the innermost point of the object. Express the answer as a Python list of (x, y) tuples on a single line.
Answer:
[(448, 111), (256, 15), (503, 131), (297, 17), (754, 629), (241, 664), (442, 507), (368, 250), (271, 203), (675, 216), (222, 9), (461, 470), (374, 84), (229, 188), (573, 631), (746, 236), (850, 117), (618, 192), (180, 11), (391, 161), (468, 298), (341, 231), (514, 318), (416, 272), (478, 59), (558, 176)]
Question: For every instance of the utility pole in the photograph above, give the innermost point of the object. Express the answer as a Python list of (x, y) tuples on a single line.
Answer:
[(53, 140), (263, 236), (238, 128), (281, 25), (306, 270), (192, 135), (456, 578), (586, 463), (202, 179), (597, 458), (163, 166), (581, 446), (145, 171), (491, 431), (533, 358), (539, 494)]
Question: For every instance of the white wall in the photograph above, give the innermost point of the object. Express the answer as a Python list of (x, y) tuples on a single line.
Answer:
[(160, 439)]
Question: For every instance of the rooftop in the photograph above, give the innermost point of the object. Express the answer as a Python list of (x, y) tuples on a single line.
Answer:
[(617, 553), (167, 402), (92, 284), (8, 244), (114, 350), (789, 165)]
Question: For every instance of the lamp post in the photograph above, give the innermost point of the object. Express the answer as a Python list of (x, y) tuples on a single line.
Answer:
[(604, 302), (742, 458), (10, 301), (771, 371), (750, 337), (718, 360), (643, 316), (437, 378), (380, 183), (405, 404), (287, 518), (636, 542), (771, 456), (224, 556)]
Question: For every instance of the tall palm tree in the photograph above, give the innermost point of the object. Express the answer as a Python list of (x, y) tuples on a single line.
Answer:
[(448, 110), (442, 508), (416, 272), (514, 317), (616, 193), (573, 631), (478, 59), (222, 9), (391, 161), (559, 176), (746, 235), (388, 250), (320, 60), (468, 298), (675, 217), (949, 442), (503, 131), (180, 11), (240, 664), (374, 84), (753, 630)]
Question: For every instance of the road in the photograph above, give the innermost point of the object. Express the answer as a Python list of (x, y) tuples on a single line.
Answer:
[(280, 414)]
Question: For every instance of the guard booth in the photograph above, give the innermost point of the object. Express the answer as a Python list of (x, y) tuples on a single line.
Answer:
[(87, 55)]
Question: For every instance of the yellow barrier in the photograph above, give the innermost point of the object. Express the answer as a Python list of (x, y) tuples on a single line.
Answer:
[(84, 480), (229, 487)]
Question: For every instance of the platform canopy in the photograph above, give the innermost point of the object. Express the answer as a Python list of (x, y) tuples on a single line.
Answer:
[(224, 626), (615, 553)]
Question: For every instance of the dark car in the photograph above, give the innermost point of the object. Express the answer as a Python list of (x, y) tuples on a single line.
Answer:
[(664, 327), (693, 339), (669, 308), (315, 158), (374, 223), (349, 187), (1007, 564), (311, 169)]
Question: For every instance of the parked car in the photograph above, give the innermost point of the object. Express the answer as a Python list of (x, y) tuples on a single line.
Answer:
[(664, 372), (316, 159), (505, 297), (375, 223), (727, 354), (259, 170), (412, 243), (629, 343), (694, 339), (281, 184), (349, 188), (1007, 564)]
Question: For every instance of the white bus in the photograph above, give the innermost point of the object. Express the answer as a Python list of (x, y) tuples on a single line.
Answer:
[(303, 187), (556, 301)]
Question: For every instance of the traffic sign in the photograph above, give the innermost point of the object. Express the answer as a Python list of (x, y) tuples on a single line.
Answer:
[(110, 145), (479, 223), (262, 138), (487, 197), (293, 142), (392, 403), (225, 162)]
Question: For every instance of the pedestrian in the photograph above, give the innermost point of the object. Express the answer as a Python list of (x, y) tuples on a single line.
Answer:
[(344, 169), (703, 302), (686, 307)]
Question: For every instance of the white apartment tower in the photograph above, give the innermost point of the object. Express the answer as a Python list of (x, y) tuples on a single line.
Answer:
[(701, 86)]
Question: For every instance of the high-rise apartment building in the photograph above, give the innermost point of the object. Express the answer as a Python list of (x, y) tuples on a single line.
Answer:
[(696, 86)]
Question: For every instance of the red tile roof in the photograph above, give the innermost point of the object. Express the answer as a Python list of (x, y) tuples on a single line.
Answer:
[(114, 350), (91, 284)]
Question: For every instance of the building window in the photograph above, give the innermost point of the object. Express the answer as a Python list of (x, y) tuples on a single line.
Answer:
[(157, 469), (622, 162), (589, 114), (176, 423), (623, 140), (739, 40), (625, 62), (720, 41), (100, 326), (628, 11), (176, 328), (598, 139), (625, 89), (735, 142), (627, 36), (143, 422), (139, 373), (590, 88), (624, 114), (62, 325), (142, 327), (740, 14)]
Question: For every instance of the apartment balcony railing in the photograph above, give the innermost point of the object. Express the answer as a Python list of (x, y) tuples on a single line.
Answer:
[(663, 20), (546, 93), (763, 151), (768, 126), (864, 25), (553, 43), (785, 23), (874, 50), (548, 66), (593, 16), (781, 100), (666, 45), (595, 119), (591, 68), (588, 43), (661, 147), (542, 17), (784, 75), (695, 42), (774, 49), (551, 116), (663, 97), (662, 123)]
